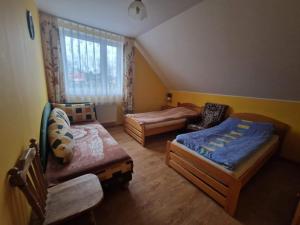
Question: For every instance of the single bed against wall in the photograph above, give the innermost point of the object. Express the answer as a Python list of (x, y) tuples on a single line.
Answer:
[(95, 151), (220, 183), (140, 130)]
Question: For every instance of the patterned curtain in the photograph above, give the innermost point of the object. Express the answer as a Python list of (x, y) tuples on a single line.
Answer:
[(128, 75), (52, 58)]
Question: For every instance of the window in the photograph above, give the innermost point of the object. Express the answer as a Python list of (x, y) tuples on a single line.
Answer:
[(93, 65)]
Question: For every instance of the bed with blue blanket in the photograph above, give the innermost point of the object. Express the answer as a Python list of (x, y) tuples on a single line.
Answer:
[(230, 143), (221, 160)]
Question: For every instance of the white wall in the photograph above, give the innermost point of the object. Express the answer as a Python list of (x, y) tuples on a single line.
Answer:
[(234, 47)]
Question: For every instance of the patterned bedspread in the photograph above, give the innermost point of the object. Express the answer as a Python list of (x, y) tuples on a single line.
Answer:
[(163, 115), (95, 150), (229, 143)]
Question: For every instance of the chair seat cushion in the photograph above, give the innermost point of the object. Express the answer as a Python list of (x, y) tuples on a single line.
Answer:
[(72, 197)]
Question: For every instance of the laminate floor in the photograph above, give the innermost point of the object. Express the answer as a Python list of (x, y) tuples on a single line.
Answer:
[(157, 195)]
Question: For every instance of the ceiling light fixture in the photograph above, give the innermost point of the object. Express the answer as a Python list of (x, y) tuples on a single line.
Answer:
[(137, 10)]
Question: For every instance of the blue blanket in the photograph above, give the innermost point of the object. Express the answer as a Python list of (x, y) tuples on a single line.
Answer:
[(229, 143)]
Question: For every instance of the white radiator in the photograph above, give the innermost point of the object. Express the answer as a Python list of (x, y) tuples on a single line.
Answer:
[(107, 113)]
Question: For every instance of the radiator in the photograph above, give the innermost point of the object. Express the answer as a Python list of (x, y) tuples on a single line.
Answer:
[(107, 113)]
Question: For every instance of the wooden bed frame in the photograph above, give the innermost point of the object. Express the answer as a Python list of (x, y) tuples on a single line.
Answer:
[(139, 132), (224, 188)]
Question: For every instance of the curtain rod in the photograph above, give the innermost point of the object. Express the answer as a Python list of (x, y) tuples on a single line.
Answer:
[(73, 21)]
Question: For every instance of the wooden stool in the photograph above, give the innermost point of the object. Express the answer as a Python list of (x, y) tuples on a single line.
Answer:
[(61, 202)]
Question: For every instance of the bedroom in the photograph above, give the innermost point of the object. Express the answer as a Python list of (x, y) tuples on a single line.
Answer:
[(241, 54)]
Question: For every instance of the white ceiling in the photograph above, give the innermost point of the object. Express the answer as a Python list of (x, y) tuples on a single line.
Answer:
[(245, 48), (112, 15)]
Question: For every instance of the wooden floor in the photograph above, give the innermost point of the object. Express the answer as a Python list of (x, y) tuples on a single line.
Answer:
[(157, 195)]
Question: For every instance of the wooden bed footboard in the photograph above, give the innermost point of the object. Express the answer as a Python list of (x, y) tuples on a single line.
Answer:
[(139, 132), (134, 129), (224, 188), (220, 186)]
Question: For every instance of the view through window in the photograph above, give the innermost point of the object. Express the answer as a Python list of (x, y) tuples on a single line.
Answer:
[(92, 66)]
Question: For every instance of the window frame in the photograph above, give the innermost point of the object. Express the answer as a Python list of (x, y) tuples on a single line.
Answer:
[(81, 36)]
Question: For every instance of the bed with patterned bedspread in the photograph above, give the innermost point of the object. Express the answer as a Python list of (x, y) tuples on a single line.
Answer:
[(95, 151)]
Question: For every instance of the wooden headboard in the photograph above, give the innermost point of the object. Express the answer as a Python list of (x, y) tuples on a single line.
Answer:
[(280, 128), (191, 106), (44, 143)]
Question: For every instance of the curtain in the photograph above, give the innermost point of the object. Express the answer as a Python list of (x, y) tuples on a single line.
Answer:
[(92, 62), (128, 76), (52, 58)]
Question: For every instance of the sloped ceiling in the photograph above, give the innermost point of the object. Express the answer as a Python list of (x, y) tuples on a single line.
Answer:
[(112, 15), (245, 48)]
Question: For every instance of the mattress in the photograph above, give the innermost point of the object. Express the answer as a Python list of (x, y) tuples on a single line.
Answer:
[(163, 115), (164, 124), (244, 166), (230, 142), (95, 151)]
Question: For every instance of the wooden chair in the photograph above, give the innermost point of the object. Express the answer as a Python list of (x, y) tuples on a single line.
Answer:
[(61, 202)]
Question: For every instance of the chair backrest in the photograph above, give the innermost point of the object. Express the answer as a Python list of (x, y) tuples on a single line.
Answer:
[(28, 176), (213, 114)]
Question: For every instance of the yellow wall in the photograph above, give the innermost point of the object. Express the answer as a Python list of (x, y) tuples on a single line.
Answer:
[(285, 111), (23, 95), (149, 91)]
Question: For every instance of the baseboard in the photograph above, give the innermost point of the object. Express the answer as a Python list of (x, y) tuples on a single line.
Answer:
[(110, 124)]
